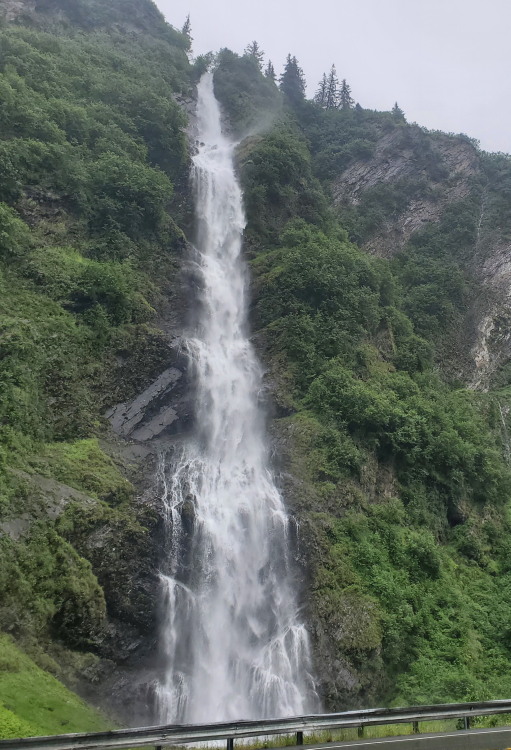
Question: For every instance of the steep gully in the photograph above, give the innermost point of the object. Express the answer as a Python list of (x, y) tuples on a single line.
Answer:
[(233, 642)]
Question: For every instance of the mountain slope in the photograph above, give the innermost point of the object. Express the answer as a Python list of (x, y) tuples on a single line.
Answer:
[(94, 163), (379, 262), (396, 471)]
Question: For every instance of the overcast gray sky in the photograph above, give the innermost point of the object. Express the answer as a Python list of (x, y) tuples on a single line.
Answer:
[(446, 62)]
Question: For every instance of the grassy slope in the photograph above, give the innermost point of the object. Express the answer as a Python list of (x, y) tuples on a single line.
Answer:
[(33, 702)]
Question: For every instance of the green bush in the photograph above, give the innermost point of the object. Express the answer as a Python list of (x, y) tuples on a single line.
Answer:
[(129, 197), (85, 466), (15, 239)]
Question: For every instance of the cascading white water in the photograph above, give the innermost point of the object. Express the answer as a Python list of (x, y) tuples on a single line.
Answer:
[(234, 644)]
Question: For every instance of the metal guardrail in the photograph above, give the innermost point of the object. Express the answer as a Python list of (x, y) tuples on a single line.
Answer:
[(159, 736)]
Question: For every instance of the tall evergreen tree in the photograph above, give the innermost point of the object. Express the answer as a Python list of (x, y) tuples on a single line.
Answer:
[(320, 95), (253, 50), (346, 101), (332, 92), (270, 72), (187, 29), (292, 81), (397, 113)]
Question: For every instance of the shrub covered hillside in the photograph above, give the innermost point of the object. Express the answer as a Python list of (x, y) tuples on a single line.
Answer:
[(93, 163), (398, 473)]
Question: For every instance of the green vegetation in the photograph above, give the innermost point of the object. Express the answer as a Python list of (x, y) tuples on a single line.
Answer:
[(404, 486), (85, 466), (92, 141), (251, 99), (92, 147), (33, 702)]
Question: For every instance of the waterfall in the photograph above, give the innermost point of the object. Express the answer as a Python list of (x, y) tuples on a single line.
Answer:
[(233, 641)]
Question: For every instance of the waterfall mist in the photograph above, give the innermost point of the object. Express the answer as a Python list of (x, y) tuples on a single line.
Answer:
[(233, 641)]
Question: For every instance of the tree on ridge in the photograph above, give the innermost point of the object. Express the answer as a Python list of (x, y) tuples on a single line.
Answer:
[(332, 92), (346, 101), (292, 81), (253, 50), (187, 29), (270, 72), (320, 95), (397, 113)]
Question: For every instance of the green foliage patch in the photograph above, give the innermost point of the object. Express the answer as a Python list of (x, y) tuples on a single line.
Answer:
[(34, 702), (251, 100)]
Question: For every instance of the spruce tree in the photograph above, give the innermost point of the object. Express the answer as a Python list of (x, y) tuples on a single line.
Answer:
[(253, 50), (292, 81), (187, 29), (320, 95), (397, 113), (270, 72), (332, 92), (346, 101)]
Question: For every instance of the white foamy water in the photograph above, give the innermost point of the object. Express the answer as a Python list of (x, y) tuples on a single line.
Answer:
[(234, 644)]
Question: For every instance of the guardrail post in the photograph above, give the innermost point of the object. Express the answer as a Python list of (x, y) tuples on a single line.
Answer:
[(415, 727), (466, 722), (299, 738), (360, 731), (230, 743)]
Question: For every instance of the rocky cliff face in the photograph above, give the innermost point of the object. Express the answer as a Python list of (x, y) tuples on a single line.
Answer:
[(490, 313), (123, 545), (435, 171), (146, 428)]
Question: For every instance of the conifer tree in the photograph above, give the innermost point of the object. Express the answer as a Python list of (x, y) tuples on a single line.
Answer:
[(253, 50), (270, 72), (292, 81), (320, 95), (332, 92), (187, 29), (397, 113), (346, 101)]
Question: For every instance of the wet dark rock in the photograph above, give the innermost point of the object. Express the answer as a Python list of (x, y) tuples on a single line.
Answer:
[(344, 628), (127, 563), (154, 413)]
